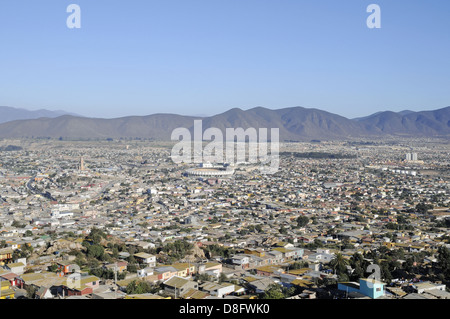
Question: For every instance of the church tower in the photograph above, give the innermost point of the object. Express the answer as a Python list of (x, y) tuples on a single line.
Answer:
[(82, 168)]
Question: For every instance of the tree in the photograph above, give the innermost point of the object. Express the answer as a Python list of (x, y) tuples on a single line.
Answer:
[(339, 264), (115, 252), (52, 268), (274, 291), (96, 235), (398, 253), (17, 224), (203, 277), (243, 232), (216, 250), (409, 264), (298, 265), (343, 277), (302, 221), (80, 261), (444, 260), (95, 251), (178, 249), (385, 272), (131, 267), (357, 273), (31, 291), (24, 252), (402, 220), (222, 277), (139, 287), (107, 273), (92, 263), (443, 223), (423, 208), (283, 230), (356, 259)]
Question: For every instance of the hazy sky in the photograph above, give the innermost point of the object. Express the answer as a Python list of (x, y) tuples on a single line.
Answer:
[(206, 56)]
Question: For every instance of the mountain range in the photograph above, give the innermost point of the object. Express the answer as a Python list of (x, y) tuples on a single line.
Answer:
[(8, 114), (295, 124)]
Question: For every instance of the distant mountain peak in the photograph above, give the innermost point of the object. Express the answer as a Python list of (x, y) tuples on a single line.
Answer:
[(8, 114)]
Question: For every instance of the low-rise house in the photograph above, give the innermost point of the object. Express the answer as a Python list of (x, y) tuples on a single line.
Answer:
[(367, 287), (177, 286), (18, 267), (184, 269), (85, 286), (145, 272), (288, 278), (306, 240), (302, 283), (255, 251), (165, 272), (91, 281), (66, 267), (44, 279), (5, 255), (258, 286), (37, 243), (427, 286), (270, 270), (122, 284), (282, 244), (43, 293), (11, 277), (124, 255), (297, 252), (241, 261), (211, 269), (218, 290), (277, 257), (6, 291), (195, 294), (321, 256), (108, 294), (289, 253), (120, 266), (145, 258)]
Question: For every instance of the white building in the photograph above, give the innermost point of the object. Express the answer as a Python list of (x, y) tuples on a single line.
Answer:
[(240, 260), (217, 290)]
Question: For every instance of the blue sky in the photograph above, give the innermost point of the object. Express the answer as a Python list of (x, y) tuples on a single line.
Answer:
[(207, 56)]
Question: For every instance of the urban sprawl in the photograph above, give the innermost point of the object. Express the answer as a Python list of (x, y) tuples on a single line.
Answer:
[(118, 219)]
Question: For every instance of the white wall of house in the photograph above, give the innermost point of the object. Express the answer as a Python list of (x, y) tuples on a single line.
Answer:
[(223, 291)]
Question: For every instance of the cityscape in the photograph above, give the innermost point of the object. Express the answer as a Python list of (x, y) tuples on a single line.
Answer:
[(238, 157), (119, 219)]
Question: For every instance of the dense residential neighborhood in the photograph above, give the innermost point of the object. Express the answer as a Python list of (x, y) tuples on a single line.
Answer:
[(120, 220)]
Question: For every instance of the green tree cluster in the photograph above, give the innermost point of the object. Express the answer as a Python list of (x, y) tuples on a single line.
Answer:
[(444, 261), (277, 291), (302, 221), (137, 287), (178, 249), (218, 251), (107, 273)]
